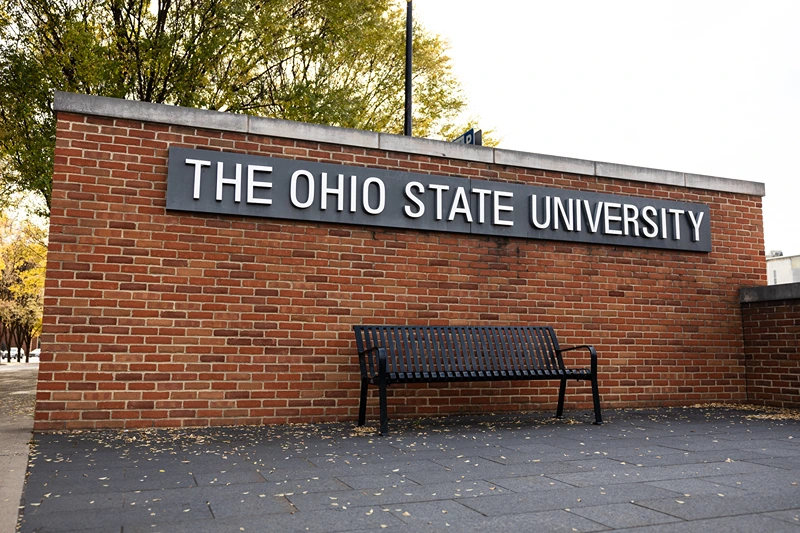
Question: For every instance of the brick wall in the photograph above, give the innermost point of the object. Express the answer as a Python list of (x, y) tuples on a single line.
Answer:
[(772, 346), (157, 318)]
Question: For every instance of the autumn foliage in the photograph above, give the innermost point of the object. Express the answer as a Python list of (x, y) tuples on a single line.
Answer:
[(23, 253)]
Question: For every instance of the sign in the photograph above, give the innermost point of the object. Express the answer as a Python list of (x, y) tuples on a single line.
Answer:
[(470, 137), (224, 183)]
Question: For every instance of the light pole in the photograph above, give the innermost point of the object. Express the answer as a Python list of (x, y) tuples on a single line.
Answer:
[(407, 127)]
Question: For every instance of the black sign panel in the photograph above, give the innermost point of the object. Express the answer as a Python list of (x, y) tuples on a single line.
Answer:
[(237, 184)]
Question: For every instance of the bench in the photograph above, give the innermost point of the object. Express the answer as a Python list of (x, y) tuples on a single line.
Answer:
[(428, 354)]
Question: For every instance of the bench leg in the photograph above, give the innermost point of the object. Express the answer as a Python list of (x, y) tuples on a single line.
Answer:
[(562, 390), (362, 407), (384, 410), (598, 417)]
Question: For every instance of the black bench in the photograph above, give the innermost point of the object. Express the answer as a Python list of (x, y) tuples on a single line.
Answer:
[(426, 354)]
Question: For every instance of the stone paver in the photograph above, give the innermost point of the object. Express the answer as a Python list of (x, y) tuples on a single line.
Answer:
[(663, 470)]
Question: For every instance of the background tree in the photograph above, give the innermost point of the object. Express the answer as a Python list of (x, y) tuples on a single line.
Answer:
[(23, 253), (336, 62)]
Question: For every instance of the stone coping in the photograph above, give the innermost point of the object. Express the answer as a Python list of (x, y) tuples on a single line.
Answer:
[(239, 123), (784, 291)]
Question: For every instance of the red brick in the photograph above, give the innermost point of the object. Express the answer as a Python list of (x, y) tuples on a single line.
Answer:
[(196, 320)]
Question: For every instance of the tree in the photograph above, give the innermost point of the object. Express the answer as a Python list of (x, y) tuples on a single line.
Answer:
[(23, 253), (336, 62)]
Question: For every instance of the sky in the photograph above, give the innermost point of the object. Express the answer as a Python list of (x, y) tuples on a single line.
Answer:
[(701, 86)]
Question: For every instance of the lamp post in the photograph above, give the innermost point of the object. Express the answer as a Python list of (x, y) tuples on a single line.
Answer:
[(407, 126)]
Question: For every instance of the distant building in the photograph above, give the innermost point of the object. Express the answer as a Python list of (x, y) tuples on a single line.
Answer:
[(782, 269)]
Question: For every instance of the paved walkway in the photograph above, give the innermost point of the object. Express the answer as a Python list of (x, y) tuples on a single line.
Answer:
[(17, 400), (668, 470)]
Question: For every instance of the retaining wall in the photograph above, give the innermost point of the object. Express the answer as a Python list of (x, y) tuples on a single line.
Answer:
[(771, 322), (156, 317)]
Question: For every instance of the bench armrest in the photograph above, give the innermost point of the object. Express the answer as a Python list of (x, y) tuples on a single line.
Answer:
[(592, 355), (371, 365)]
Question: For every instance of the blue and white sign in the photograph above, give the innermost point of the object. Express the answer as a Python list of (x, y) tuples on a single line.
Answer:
[(470, 137)]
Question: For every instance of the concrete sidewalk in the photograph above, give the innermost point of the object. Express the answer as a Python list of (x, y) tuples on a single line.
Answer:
[(667, 470), (17, 401)]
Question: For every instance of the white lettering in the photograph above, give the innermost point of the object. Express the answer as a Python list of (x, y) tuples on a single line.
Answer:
[(410, 195), (696, 224), (252, 184), (535, 217), (353, 193), (438, 189), (236, 182), (498, 207), (338, 192), (650, 210), (594, 221), (676, 213), (198, 165), (630, 215), (381, 196), (460, 206), (553, 212), (608, 217), (482, 193), (293, 189), (558, 208)]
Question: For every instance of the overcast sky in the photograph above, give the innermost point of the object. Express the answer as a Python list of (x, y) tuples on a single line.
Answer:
[(707, 87)]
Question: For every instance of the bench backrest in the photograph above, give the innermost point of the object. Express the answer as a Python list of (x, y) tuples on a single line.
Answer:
[(463, 348)]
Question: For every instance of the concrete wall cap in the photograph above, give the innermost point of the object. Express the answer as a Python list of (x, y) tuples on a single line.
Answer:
[(785, 291), (313, 132), (650, 175), (545, 162), (215, 120), (149, 112), (713, 183), (436, 148)]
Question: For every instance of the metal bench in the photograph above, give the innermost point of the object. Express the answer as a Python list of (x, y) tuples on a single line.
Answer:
[(427, 354)]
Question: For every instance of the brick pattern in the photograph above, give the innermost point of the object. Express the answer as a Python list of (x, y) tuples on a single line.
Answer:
[(156, 318), (772, 352)]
